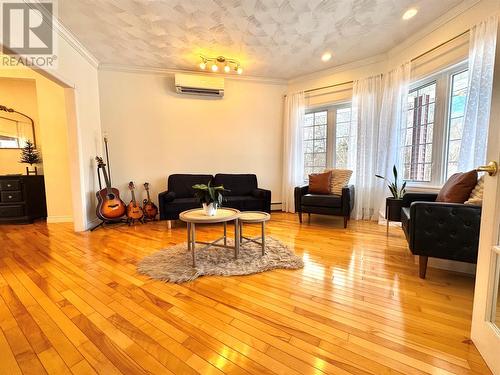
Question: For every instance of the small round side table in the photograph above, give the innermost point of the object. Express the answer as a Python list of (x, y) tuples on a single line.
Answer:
[(198, 216), (254, 217)]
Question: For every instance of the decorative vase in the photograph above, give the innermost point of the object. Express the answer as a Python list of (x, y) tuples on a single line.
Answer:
[(210, 209)]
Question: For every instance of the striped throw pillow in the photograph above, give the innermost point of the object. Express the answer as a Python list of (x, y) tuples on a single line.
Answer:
[(476, 197), (340, 179)]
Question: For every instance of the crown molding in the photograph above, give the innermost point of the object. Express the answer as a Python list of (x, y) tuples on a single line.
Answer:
[(165, 71), (433, 26), (67, 35), (339, 69), (73, 41)]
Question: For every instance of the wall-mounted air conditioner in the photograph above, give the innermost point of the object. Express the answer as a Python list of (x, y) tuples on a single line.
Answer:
[(194, 84)]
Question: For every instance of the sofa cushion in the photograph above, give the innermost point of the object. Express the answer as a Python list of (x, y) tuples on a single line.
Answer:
[(181, 184), (181, 204), (458, 187), (320, 200), (238, 184), (319, 183), (244, 203)]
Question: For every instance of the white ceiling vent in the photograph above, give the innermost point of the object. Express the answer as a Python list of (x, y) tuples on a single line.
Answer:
[(193, 84)]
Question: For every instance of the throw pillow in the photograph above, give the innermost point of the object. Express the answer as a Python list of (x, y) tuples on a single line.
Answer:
[(340, 179), (458, 188), (319, 183), (476, 197)]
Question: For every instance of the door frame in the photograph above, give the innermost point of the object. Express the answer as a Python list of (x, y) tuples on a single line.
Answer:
[(484, 334)]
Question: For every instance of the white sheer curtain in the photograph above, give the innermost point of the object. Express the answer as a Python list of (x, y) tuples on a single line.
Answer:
[(366, 110), (378, 109), (482, 47), (293, 153), (396, 85)]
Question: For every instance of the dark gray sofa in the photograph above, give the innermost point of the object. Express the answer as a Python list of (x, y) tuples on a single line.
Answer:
[(244, 193)]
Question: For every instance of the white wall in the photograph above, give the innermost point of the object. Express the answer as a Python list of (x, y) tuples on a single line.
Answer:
[(154, 132), (77, 73)]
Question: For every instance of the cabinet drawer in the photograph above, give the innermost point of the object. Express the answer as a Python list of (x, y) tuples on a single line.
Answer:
[(11, 196), (10, 185), (11, 211)]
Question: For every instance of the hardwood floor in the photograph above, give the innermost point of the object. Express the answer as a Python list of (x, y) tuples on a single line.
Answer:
[(73, 303)]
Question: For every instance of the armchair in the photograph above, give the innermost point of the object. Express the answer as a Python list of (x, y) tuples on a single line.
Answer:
[(439, 229), (336, 205)]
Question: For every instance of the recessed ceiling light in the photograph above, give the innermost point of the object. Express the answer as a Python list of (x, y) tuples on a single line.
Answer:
[(410, 13), (326, 56)]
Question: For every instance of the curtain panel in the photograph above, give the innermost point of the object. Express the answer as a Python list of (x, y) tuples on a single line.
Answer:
[(379, 105), (293, 153), (482, 48)]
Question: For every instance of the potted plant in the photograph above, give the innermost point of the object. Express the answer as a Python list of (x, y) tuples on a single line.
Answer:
[(30, 155), (210, 197), (394, 203)]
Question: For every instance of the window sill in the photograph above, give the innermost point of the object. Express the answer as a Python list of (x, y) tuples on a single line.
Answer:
[(422, 188)]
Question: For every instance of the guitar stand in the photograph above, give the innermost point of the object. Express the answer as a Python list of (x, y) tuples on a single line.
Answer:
[(132, 221), (104, 223)]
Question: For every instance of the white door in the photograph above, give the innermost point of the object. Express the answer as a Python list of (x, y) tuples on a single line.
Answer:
[(486, 314)]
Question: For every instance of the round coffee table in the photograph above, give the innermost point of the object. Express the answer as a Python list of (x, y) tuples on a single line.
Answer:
[(254, 217), (198, 216)]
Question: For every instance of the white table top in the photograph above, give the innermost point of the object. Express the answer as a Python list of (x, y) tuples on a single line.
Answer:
[(254, 216), (198, 215)]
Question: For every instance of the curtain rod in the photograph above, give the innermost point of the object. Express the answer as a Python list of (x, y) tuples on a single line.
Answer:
[(439, 45), (412, 60)]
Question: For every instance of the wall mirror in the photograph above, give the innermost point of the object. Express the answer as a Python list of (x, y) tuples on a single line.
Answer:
[(15, 129)]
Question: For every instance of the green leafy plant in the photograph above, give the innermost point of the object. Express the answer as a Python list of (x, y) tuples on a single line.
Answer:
[(209, 194), (29, 154), (396, 192)]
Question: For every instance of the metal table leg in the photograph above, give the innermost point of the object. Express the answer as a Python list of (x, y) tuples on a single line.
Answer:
[(263, 239), (387, 219), (236, 238), (193, 242), (241, 231), (225, 233)]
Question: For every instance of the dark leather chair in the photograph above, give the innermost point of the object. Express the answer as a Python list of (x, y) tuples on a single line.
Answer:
[(439, 229), (336, 205), (244, 193)]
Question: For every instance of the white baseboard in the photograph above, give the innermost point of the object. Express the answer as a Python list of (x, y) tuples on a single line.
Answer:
[(450, 265), (59, 219), (276, 206)]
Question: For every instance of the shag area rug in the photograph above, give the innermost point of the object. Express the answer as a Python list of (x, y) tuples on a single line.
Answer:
[(174, 264)]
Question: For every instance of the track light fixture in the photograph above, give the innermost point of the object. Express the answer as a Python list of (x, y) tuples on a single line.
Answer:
[(215, 62)]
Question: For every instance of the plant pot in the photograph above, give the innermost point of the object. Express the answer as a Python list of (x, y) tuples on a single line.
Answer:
[(210, 209), (393, 209)]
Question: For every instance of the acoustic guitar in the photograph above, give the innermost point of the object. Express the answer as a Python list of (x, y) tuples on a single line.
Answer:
[(134, 211), (149, 208), (109, 205)]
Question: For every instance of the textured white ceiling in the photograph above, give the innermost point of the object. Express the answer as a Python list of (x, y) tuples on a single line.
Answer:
[(272, 38)]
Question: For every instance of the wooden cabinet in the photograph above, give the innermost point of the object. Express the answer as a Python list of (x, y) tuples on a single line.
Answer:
[(22, 199)]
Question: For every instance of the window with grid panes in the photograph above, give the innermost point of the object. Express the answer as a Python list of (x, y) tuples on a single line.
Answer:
[(418, 133), (459, 86), (315, 142), (327, 136), (343, 134), (431, 132)]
